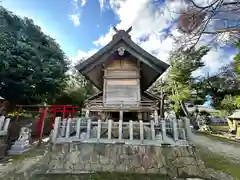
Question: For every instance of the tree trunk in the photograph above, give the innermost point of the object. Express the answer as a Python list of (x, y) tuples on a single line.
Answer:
[(185, 110)]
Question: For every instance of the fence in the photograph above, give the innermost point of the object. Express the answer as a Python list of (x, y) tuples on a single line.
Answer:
[(132, 132), (4, 123)]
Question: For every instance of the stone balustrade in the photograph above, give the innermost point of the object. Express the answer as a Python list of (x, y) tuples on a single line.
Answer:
[(132, 132), (4, 123)]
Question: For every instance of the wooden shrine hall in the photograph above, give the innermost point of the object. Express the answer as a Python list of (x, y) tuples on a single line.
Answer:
[(122, 71)]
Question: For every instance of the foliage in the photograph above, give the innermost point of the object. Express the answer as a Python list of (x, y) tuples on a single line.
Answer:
[(77, 90), (237, 62), (220, 86), (32, 65), (229, 103), (179, 78), (178, 84)]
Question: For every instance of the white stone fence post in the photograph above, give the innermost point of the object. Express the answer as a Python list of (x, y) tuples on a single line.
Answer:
[(4, 124)]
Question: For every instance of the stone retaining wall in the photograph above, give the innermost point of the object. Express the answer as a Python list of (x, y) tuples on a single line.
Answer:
[(167, 160), (3, 146)]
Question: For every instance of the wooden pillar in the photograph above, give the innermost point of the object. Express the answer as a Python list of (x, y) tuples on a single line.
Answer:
[(121, 115), (103, 116), (156, 116), (140, 116), (120, 129), (145, 116)]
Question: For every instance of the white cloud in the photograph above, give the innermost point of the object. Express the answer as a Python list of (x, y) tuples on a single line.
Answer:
[(75, 19), (102, 3), (147, 20), (82, 55), (214, 60), (83, 3)]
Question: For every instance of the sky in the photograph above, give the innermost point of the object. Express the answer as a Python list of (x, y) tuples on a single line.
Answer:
[(82, 27)]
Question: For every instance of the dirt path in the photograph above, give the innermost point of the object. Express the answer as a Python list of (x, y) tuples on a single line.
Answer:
[(230, 150)]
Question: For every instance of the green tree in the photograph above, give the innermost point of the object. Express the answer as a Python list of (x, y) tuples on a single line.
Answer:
[(32, 65), (78, 89), (179, 84), (180, 80)]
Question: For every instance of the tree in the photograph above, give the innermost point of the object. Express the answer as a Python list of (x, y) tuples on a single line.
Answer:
[(237, 62), (218, 20), (32, 65), (223, 87), (179, 81), (78, 89)]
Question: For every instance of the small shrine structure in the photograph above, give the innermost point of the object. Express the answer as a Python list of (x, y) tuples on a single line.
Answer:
[(123, 110), (123, 72), (121, 130), (118, 132)]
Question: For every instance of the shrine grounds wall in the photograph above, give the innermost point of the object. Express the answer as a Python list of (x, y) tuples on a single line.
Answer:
[(3, 146), (172, 161)]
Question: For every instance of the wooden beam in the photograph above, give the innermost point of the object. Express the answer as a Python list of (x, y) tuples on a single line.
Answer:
[(129, 30)]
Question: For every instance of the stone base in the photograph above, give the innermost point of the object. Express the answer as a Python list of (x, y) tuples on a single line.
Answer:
[(3, 146), (18, 151), (81, 157), (170, 161), (19, 147), (3, 150)]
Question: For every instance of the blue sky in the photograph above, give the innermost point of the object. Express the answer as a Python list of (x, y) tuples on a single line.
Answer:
[(82, 27)]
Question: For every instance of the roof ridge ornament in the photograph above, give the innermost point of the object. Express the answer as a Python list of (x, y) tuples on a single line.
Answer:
[(122, 34), (127, 31)]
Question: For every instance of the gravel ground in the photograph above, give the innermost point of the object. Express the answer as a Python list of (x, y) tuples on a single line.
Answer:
[(227, 149)]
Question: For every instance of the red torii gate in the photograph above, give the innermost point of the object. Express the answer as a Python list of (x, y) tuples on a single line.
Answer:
[(65, 110)]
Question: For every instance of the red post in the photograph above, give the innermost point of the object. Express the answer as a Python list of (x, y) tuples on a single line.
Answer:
[(41, 124), (64, 111)]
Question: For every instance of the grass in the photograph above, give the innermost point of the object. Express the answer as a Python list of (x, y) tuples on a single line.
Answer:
[(219, 138), (218, 162), (217, 128)]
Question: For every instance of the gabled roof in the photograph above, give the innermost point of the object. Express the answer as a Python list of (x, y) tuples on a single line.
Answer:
[(125, 40), (122, 39)]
